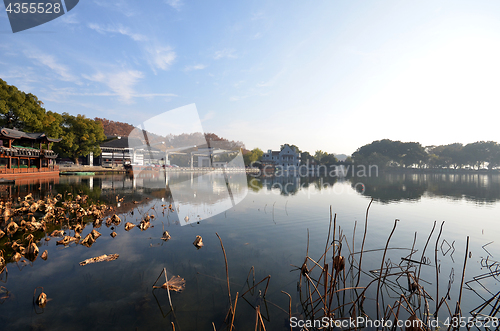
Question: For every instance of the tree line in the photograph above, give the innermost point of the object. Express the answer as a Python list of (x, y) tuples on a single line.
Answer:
[(25, 112), (81, 135), (389, 153)]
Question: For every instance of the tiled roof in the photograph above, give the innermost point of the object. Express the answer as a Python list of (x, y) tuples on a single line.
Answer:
[(16, 134)]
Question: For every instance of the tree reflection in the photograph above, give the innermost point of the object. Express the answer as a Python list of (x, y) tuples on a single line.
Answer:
[(390, 187)]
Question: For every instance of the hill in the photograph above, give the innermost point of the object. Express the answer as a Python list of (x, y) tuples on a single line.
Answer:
[(115, 128)]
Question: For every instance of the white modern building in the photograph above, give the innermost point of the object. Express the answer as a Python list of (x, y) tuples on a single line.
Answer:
[(287, 157)]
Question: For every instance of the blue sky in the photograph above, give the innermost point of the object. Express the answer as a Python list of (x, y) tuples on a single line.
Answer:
[(329, 75)]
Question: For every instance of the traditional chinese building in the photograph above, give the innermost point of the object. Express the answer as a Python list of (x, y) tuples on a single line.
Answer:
[(22, 155)]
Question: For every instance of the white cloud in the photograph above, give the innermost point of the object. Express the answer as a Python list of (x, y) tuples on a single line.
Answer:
[(69, 19), (258, 35), (225, 53), (176, 4), (50, 61), (238, 97), (257, 16), (160, 57), (239, 84), (195, 67), (117, 29), (208, 116), (120, 6), (271, 81), (121, 83)]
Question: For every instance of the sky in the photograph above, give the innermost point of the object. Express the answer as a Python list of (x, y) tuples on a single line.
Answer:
[(322, 75)]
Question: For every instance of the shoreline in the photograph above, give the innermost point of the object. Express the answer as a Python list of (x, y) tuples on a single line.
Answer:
[(98, 170)]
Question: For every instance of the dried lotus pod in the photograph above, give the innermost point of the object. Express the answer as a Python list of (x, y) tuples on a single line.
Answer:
[(101, 258), (12, 228), (78, 228), (34, 207), (176, 283), (2, 262), (15, 246), (95, 234), (198, 242), (41, 301), (144, 225), (166, 236), (57, 233), (88, 240), (128, 226), (66, 240), (2, 234), (16, 257), (115, 219), (338, 263), (7, 213), (32, 251), (113, 234), (44, 255), (97, 223)]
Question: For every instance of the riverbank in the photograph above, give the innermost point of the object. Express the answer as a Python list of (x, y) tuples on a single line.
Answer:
[(98, 170)]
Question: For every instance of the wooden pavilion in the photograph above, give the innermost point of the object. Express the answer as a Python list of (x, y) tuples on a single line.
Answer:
[(22, 155)]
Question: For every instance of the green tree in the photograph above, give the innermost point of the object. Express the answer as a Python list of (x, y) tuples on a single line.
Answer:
[(81, 136), (305, 156), (253, 156), (445, 156), (388, 152), (412, 153), (24, 112), (329, 160), (319, 155)]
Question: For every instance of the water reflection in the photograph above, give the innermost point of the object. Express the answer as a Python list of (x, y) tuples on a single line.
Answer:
[(480, 188), (289, 185), (386, 188), (118, 294), (207, 194)]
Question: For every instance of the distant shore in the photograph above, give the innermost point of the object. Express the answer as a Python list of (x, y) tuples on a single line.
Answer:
[(98, 170), (439, 171)]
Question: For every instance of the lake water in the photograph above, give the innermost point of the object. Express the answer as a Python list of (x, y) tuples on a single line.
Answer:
[(264, 223)]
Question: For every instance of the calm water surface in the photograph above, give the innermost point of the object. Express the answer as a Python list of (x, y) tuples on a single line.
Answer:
[(264, 225)]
